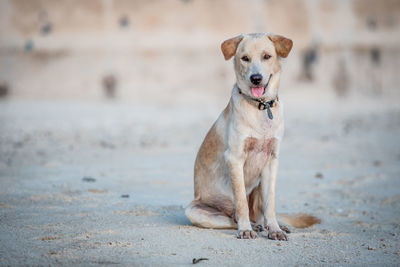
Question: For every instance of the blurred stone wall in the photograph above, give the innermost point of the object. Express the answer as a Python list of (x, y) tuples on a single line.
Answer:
[(69, 49)]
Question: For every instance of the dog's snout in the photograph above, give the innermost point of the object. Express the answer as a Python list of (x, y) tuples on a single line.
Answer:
[(256, 78)]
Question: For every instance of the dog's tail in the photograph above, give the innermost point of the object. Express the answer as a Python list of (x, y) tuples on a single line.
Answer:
[(300, 220)]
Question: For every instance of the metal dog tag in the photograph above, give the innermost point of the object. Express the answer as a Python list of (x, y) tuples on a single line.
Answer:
[(269, 112)]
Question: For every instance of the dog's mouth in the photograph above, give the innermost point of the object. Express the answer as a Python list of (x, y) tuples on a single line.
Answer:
[(257, 91)]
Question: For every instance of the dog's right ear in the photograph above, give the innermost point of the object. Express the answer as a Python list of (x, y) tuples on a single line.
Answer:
[(229, 46)]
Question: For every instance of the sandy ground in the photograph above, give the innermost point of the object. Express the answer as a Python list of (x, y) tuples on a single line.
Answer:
[(340, 161)]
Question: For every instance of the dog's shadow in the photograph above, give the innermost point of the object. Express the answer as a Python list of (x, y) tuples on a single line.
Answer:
[(174, 214)]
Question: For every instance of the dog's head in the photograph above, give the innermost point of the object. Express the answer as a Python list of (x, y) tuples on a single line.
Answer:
[(256, 61)]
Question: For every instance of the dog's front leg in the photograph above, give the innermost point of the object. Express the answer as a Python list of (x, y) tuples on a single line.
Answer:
[(268, 185), (235, 163)]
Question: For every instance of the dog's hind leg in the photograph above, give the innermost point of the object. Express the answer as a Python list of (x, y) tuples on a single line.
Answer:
[(206, 216)]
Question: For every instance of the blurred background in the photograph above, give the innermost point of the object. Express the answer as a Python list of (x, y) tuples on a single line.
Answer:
[(144, 49), (104, 103)]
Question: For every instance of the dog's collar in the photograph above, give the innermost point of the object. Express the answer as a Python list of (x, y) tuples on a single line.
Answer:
[(262, 104)]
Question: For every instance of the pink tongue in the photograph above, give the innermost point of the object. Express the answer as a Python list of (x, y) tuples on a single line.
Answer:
[(257, 91)]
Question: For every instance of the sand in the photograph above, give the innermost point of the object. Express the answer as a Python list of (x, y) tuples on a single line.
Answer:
[(340, 161)]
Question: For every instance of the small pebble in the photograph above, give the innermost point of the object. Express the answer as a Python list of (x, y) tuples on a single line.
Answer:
[(319, 175), (377, 163), (125, 196), (88, 179)]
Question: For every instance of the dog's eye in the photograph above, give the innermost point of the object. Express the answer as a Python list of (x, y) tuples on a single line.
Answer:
[(245, 58), (266, 56)]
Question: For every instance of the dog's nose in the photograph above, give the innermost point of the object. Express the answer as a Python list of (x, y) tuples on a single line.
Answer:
[(256, 78)]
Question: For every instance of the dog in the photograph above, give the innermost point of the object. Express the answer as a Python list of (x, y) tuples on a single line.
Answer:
[(236, 166)]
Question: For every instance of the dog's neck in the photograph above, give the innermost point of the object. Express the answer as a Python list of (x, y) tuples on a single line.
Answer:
[(260, 103)]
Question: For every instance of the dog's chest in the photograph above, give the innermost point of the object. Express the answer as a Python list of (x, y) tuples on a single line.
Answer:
[(257, 152), (254, 147)]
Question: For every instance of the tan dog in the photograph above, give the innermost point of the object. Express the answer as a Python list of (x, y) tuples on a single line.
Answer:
[(236, 167)]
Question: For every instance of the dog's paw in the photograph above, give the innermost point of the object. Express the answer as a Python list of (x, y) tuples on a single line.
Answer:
[(246, 234), (285, 229), (258, 228), (277, 235)]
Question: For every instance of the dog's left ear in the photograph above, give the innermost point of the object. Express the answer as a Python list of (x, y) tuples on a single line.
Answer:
[(229, 46), (282, 45)]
